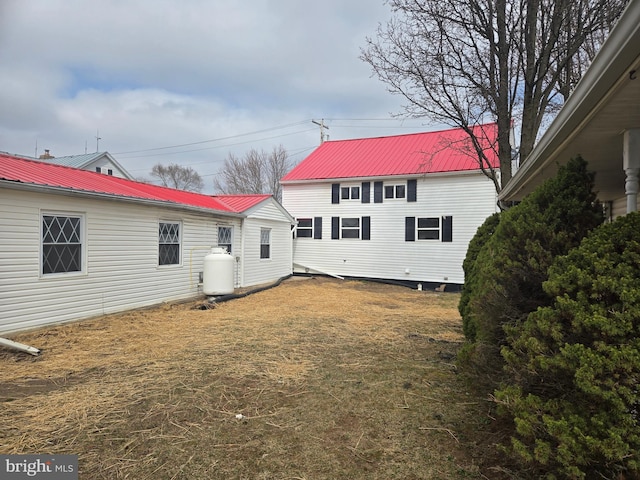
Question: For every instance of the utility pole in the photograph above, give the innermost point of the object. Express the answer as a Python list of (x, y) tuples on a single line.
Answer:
[(322, 127), (98, 138)]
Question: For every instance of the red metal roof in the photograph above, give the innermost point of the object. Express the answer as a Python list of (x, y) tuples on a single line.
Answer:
[(33, 172), (241, 203), (418, 153)]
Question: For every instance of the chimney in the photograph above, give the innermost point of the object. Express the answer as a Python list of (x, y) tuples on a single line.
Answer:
[(46, 155)]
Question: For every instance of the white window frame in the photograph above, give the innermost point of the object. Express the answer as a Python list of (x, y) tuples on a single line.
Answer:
[(344, 227), (265, 241), (433, 229), (224, 244), (179, 243), (397, 191), (82, 242), (304, 228), (350, 192)]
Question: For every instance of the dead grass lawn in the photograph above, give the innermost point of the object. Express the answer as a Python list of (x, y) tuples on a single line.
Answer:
[(314, 379)]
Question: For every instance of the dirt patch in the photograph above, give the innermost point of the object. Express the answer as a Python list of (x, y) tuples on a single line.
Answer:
[(315, 379)]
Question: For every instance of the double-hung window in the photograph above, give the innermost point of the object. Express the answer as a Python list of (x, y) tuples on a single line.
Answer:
[(429, 228), (169, 243), (62, 243), (305, 228), (265, 243)]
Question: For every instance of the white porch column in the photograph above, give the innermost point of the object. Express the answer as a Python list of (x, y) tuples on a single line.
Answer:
[(631, 164)]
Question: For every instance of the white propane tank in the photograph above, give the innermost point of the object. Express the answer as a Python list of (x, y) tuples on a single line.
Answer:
[(217, 277)]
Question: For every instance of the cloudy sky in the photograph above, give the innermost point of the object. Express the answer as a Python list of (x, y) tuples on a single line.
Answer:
[(189, 81)]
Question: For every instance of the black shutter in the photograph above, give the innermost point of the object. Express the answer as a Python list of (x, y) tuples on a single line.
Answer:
[(335, 193), (366, 192), (377, 192), (335, 228), (409, 229), (317, 228), (412, 190), (366, 228), (447, 229)]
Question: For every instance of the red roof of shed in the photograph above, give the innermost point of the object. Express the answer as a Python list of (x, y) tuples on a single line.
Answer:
[(33, 172), (413, 154)]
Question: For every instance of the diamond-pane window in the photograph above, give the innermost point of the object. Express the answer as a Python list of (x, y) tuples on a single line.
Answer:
[(61, 244), (169, 243), (225, 237)]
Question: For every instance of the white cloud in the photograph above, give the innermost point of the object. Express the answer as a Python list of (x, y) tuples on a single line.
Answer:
[(156, 73)]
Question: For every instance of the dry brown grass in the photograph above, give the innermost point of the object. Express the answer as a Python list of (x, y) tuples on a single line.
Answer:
[(333, 379)]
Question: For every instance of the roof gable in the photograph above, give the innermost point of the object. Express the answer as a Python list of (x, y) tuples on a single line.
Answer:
[(413, 154), (84, 160), (42, 174)]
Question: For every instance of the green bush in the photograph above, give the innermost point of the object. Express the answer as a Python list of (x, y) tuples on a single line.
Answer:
[(512, 265), (575, 398), (481, 237)]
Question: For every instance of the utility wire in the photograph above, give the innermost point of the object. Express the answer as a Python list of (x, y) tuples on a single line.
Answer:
[(213, 139)]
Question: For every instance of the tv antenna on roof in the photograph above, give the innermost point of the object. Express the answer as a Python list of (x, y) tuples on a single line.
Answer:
[(98, 138)]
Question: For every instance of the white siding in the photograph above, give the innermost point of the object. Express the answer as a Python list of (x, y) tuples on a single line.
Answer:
[(121, 247), (468, 198), (256, 270)]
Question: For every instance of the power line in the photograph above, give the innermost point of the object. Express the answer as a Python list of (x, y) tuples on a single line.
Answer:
[(212, 140), (217, 146)]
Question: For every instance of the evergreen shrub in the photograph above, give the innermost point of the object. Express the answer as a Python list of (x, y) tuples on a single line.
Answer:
[(512, 265), (575, 365), (481, 237)]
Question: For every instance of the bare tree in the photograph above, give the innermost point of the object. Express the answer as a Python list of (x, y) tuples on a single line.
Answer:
[(176, 176), (469, 62), (256, 172)]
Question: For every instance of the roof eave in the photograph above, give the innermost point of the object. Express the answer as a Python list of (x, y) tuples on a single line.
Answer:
[(16, 185)]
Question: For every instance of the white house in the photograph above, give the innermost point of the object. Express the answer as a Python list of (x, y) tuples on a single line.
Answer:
[(400, 208), (100, 162), (76, 244), (600, 121)]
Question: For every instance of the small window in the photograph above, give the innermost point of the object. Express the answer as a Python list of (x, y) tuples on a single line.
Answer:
[(169, 243), (61, 244), (349, 193), (109, 172), (350, 228), (265, 243), (305, 228), (388, 191), (394, 191), (429, 228), (225, 238), (98, 170)]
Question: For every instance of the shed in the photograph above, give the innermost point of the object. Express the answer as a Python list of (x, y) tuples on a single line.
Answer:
[(76, 244)]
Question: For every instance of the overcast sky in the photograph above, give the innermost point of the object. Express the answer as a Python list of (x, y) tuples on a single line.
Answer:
[(204, 77)]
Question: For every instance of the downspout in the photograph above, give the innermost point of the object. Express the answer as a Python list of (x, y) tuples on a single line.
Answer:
[(19, 346)]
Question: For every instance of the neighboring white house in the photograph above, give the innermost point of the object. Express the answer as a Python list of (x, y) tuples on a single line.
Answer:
[(100, 162), (76, 244), (400, 208), (600, 121)]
